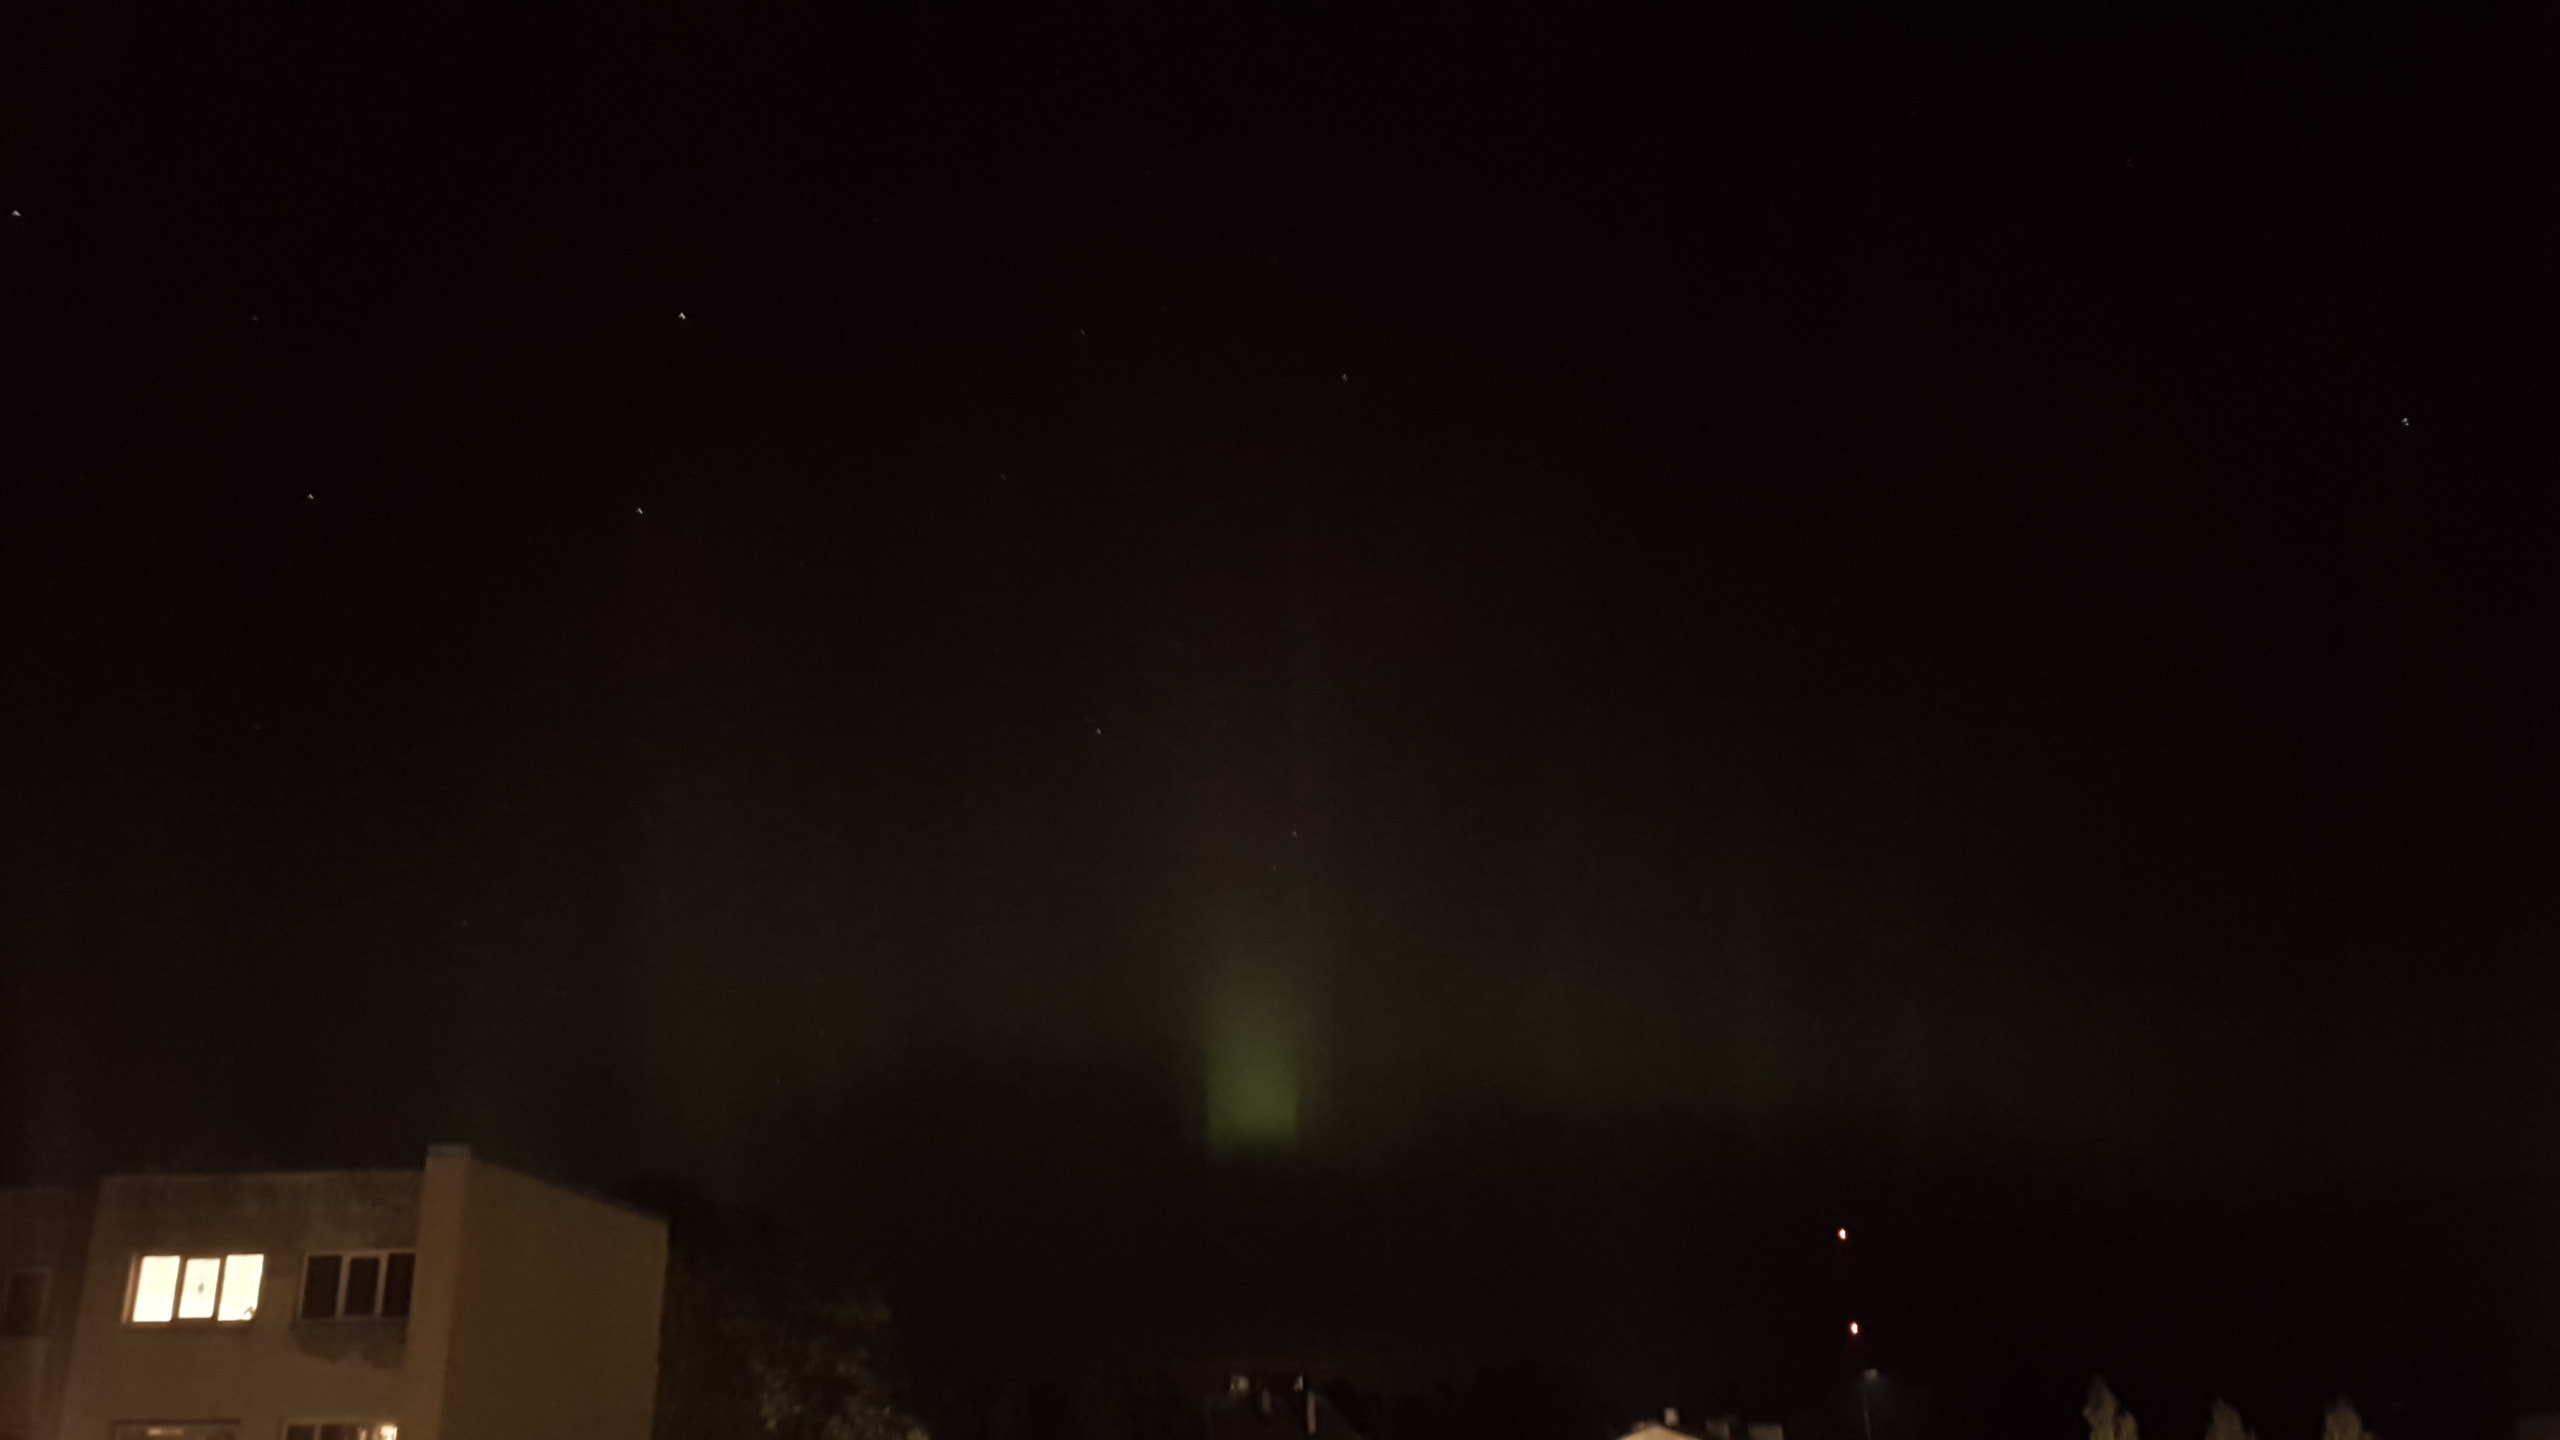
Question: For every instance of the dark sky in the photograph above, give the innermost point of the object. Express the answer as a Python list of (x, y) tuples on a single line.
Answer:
[(1385, 685)]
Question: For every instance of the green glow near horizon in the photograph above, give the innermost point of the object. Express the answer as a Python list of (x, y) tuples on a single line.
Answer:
[(1255, 1047)]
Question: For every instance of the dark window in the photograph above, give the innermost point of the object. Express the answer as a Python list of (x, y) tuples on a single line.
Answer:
[(364, 1282), (22, 1302), (320, 1287), (359, 1286), (399, 1277), (340, 1432)]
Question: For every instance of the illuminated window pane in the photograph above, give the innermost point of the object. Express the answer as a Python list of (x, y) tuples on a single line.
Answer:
[(196, 1288), (155, 1289), (340, 1430), (240, 1277)]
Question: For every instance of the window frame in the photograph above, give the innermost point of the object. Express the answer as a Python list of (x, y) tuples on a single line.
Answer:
[(338, 1312), (365, 1429), (10, 1279), (142, 1429), (175, 1321)]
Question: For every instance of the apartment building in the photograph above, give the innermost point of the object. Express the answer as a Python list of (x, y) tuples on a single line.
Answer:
[(457, 1301), (43, 1239)]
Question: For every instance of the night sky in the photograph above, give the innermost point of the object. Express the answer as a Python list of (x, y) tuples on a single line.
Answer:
[(1376, 687)]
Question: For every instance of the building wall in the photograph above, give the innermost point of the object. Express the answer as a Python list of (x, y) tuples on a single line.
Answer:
[(41, 1230), (555, 1300), (272, 1368), (535, 1312)]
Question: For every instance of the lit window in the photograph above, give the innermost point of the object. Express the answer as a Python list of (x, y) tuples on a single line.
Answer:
[(155, 1289), (362, 1286), (240, 1277), (221, 1288), (196, 1287), (341, 1430)]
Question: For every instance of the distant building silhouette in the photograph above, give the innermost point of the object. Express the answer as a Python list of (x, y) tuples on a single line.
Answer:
[(1275, 1408), (1723, 1427)]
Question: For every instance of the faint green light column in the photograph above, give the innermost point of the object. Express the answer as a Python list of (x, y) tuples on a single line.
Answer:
[(1255, 1056)]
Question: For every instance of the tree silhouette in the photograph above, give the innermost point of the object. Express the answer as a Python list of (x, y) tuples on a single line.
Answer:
[(752, 1346), (2108, 1420), (2344, 1423), (2225, 1425)]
